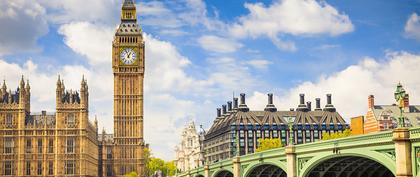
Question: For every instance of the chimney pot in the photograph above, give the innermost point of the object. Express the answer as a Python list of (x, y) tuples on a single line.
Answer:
[(235, 103), (229, 103), (270, 98), (328, 98), (318, 102), (224, 109), (219, 113), (302, 98), (309, 105), (242, 98)]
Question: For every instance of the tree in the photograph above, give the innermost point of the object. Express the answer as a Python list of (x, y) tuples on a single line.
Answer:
[(171, 168), (132, 174), (146, 156), (154, 165), (330, 136), (268, 143)]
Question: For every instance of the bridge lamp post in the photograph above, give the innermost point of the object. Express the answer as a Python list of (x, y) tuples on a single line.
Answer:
[(290, 121), (399, 97)]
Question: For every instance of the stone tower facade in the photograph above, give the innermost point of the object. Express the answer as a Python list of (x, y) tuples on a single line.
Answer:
[(128, 69), (47, 144)]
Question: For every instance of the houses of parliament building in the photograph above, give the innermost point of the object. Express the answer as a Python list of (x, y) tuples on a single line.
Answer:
[(65, 142)]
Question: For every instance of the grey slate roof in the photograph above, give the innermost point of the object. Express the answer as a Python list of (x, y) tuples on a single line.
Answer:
[(393, 111)]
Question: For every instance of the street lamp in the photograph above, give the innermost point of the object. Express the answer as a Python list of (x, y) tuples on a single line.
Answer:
[(290, 122), (399, 97)]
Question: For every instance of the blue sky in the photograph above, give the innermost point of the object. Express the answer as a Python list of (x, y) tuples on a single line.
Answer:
[(198, 53)]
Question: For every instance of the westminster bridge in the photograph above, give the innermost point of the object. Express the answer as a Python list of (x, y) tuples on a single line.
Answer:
[(383, 154)]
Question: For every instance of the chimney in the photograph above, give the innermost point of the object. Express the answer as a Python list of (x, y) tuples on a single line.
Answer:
[(224, 109), (318, 104), (229, 103), (406, 103), (328, 98), (242, 106), (219, 114), (270, 106), (371, 101), (302, 105), (302, 98), (308, 104), (235, 103), (329, 107)]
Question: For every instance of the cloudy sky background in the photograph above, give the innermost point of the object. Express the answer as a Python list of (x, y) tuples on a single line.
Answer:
[(198, 53)]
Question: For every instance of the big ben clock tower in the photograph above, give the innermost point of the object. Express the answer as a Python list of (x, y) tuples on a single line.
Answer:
[(128, 69)]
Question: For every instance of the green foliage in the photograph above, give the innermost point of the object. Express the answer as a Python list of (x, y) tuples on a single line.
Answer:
[(268, 143), (330, 136), (132, 174), (154, 164)]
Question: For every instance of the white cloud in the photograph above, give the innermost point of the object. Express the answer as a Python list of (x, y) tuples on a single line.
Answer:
[(351, 86), (218, 44), (412, 27), (87, 39), (65, 11), (23, 23), (259, 63), (295, 17)]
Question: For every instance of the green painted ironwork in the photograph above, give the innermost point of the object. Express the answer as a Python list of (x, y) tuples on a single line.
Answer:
[(378, 147)]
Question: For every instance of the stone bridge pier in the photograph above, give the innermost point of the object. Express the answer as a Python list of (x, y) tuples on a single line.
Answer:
[(384, 154)]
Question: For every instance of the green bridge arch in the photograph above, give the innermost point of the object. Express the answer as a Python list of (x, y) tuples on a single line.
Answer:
[(256, 164), (368, 154), (221, 170)]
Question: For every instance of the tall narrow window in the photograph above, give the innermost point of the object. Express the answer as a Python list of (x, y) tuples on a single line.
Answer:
[(28, 168), (108, 170), (28, 146), (8, 168), (9, 145), (70, 145), (69, 167), (40, 145), (50, 168), (108, 152), (9, 120), (39, 169), (50, 146)]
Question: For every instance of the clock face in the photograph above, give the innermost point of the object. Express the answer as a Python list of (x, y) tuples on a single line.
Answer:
[(128, 56)]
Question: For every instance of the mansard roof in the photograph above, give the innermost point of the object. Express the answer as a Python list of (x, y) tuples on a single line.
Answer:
[(237, 117)]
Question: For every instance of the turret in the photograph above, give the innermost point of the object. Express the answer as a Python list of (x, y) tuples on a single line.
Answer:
[(84, 93), (58, 91)]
